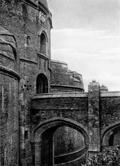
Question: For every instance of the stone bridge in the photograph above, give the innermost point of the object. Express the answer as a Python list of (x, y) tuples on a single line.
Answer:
[(96, 115)]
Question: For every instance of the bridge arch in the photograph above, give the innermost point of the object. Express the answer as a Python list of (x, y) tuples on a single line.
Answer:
[(43, 139), (111, 135)]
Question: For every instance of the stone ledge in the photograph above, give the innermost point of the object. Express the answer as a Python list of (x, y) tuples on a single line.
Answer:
[(28, 61), (59, 95), (10, 72), (4, 54), (67, 86), (43, 56), (110, 94), (30, 3)]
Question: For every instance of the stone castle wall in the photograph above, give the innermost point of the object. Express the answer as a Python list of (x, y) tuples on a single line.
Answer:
[(9, 121), (65, 80), (95, 114), (22, 20)]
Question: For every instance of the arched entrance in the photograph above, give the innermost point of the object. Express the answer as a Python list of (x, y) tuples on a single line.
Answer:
[(41, 84), (44, 143), (111, 136), (43, 43)]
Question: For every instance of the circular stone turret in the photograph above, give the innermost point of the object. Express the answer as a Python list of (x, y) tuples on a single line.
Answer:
[(9, 94), (65, 80)]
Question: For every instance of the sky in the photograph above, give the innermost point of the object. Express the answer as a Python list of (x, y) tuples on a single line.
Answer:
[(86, 35)]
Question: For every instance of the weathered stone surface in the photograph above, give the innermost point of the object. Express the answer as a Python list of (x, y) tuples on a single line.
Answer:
[(67, 107), (65, 80), (9, 121), (110, 111), (94, 116), (26, 119)]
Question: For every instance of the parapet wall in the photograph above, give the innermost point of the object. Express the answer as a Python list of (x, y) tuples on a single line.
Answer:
[(65, 80)]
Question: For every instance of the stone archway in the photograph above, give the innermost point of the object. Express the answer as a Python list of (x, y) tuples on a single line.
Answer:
[(111, 135), (41, 84), (43, 139)]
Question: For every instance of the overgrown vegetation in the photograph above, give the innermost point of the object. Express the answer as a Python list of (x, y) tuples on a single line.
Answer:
[(109, 157)]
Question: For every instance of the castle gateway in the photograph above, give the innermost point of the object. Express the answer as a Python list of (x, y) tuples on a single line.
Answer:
[(46, 118)]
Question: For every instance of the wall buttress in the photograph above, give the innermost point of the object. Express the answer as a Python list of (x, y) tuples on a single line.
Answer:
[(94, 117)]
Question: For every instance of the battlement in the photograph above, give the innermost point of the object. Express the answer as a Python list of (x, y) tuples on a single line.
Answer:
[(63, 79)]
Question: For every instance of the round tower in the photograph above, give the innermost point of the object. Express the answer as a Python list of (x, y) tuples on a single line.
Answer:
[(65, 80), (25, 27), (9, 109)]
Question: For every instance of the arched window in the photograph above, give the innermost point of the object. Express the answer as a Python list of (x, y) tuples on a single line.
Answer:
[(41, 84), (43, 43)]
